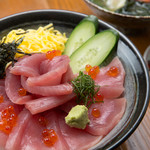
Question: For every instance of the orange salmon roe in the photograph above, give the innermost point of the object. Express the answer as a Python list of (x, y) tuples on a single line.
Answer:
[(51, 54), (8, 119), (22, 92), (1, 98), (99, 97), (42, 121), (92, 71), (49, 137), (113, 71), (88, 67), (95, 113)]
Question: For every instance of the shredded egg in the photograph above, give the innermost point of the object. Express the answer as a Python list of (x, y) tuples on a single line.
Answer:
[(38, 41)]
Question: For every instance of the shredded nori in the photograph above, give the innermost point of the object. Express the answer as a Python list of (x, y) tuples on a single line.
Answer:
[(85, 89), (7, 54)]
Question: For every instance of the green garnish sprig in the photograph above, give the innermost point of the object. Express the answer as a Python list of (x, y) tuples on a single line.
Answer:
[(7, 54), (85, 89)]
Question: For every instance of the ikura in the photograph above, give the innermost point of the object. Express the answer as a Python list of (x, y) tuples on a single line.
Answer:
[(1, 98), (22, 92), (8, 119), (51, 54), (49, 137), (99, 97), (42, 121), (113, 71), (95, 113), (92, 71)]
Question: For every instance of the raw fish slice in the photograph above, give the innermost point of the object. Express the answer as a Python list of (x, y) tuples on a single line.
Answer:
[(28, 65), (103, 79), (6, 101), (110, 92), (32, 139), (67, 76), (46, 103), (12, 84), (59, 66), (111, 87), (66, 107), (3, 105), (3, 139), (111, 111), (15, 137), (52, 118), (55, 90), (2, 82), (77, 139)]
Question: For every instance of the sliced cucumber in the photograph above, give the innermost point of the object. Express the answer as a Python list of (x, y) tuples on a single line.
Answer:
[(94, 51), (82, 32)]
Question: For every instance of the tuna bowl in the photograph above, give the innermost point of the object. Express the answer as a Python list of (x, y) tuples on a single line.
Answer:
[(136, 79)]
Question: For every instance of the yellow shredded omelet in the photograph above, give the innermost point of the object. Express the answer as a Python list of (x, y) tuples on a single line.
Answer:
[(41, 40)]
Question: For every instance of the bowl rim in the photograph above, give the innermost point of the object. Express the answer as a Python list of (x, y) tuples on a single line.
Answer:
[(115, 13), (122, 36)]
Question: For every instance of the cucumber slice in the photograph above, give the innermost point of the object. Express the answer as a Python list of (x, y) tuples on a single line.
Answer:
[(94, 51), (82, 32)]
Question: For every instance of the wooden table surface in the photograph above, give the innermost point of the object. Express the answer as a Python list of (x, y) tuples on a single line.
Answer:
[(140, 139)]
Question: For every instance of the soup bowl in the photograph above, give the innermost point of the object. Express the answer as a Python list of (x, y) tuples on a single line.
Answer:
[(136, 79), (126, 23)]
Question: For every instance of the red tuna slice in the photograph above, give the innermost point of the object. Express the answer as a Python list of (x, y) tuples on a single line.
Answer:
[(32, 139), (6, 100), (76, 138), (112, 83), (15, 137), (53, 123), (46, 103), (12, 84), (54, 90), (111, 111), (103, 79), (28, 65), (2, 82), (67, 76), (110, 92), (4, 105), (53, 75), (66, 107)]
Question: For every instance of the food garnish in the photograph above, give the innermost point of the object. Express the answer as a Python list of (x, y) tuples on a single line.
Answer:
[(22, 91), (1, 98), (51, 54), (94, 51), (49, 137), (43, 39), (113, 71), (95, 112), (92, 71), (8, 119), (7, 53), (78, 117), (85, 89), (42, 121), (81, 33)]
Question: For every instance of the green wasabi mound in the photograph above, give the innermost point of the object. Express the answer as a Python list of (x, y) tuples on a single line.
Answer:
[(78, 117)]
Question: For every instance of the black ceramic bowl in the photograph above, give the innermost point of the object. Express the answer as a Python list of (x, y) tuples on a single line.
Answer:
[(136, 80)]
